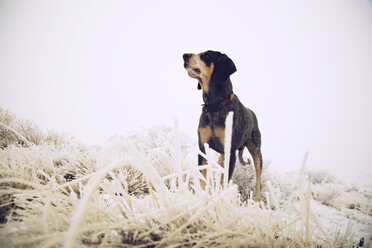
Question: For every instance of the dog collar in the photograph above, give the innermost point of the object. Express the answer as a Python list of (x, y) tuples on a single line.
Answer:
[(217, 106)]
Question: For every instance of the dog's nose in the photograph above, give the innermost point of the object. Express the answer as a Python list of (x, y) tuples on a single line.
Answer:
[(186, 57)]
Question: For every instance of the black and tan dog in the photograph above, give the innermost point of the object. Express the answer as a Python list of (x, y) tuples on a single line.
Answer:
[(212, 70)]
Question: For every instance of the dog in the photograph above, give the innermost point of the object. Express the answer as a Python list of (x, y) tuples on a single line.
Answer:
[(213, 70)]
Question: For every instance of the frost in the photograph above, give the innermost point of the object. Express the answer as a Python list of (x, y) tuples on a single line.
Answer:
[(143, 189)]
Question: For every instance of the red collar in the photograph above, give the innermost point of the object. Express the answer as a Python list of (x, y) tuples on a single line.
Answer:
[(217, 106)]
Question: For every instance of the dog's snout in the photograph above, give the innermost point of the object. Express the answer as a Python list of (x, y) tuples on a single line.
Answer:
[(186, 57)]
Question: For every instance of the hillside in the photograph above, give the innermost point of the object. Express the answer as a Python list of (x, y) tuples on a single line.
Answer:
[(143, 190)]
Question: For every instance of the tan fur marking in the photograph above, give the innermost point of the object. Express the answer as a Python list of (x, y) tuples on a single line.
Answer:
[(252, 149), (206, 76), (219, 132), (205, 134), (221, 160)]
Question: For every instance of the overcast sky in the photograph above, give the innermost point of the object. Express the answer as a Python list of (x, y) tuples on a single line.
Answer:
[(98, 68)]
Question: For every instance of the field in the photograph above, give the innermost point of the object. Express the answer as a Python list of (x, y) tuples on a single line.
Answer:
[(142, 190)]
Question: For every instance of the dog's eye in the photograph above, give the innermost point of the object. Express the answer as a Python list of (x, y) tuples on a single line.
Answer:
[(197, 70)]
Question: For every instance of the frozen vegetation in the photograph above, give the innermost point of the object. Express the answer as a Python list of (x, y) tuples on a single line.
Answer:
[(143, 190)]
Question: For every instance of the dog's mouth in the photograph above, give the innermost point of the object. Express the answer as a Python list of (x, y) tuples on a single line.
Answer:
[(191, 70), (191, 73)]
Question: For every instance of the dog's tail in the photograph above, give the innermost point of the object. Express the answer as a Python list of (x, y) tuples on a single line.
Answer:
[(241, 160)]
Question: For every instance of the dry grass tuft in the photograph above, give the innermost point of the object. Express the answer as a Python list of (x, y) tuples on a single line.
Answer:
[(143, 190)]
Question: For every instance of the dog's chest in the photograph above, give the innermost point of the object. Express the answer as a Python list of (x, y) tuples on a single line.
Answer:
[(214, 119), (212, 130)]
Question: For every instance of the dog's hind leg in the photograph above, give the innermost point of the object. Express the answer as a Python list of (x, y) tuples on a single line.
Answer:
[(254, 147)]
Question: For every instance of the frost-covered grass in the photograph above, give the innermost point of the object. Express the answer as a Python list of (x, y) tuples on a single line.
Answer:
[(143, 190)]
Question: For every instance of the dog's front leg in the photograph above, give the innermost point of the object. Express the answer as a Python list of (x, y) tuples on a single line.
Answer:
[(202, 161), (204, 134)]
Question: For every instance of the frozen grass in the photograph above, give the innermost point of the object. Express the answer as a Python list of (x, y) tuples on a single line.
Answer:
[(143, 190)]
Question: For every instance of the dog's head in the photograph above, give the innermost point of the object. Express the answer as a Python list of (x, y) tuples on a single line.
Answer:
[(207, 67)]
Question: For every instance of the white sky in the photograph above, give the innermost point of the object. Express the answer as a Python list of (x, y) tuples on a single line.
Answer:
[(98, 68)]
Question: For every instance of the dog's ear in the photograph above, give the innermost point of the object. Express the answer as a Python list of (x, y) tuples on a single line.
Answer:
[(223, 68)]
